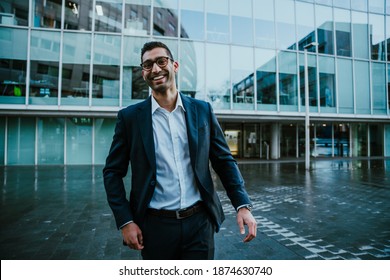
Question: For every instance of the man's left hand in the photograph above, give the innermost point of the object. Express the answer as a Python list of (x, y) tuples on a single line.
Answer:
[(245, 217)]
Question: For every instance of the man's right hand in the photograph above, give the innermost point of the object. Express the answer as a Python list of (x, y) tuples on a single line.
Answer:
[(132, 236)]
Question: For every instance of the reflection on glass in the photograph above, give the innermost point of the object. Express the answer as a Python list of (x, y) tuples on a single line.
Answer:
[(323, 140), (14, 12), (379, 88), (13, 65), (305, 25), (345, 86), (360, 135), (47, 13), (134, 87), (165, 21), (218, 76), (376, 139), (79, 139), (51, 140), (326, 68), (137, 17), (108, 15), (362, 87), (44, 70), (285, 23), (343, 32), (105, 76), (377, 37), (264, 23), (192, 20), (21, 139), (242, 78), (75, 68), (288, 140), (312, 78), (191, 76), (266, 79), (360, 5), (251, 141), (103, 137), (217, 21), (78, 14), (376, 6), (360, 35), (341, 140), (241, 13), (2, 139), (288, 93), (324, 20)]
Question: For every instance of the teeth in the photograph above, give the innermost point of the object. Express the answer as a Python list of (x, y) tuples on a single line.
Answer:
[(158, 77)]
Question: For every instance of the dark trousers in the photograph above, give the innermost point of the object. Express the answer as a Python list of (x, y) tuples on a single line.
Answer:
[(191, 238)]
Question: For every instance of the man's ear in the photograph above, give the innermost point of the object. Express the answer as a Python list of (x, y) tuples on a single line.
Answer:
[(176, 66)]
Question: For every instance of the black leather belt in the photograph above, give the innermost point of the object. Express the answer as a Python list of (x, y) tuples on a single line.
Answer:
[(177, 214)]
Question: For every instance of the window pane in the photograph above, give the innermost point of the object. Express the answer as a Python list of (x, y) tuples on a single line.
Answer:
[(379, 88), (13, 65), (345, 87), (377, 36), (285, 23), (360, 35), (217, 21), (362, 87), (14, 12), (75, 68), (45, 55), (134, 87), (360, 5), (342, 4), (165, 21), (312, 79), (47, 13), (218, 76), (241, 13), (103, 136), (324, 20), (21, 141), (78, 141), (305, 25), (343, 32), (326, 67), (242, 78), (266, 79), (137, 17), (264, 23), (2, 139), (192, 77), (192, 19), (105, 77), (78, 14), (108, 15), (288, 91), (51, 140), (376, 6), (325, 2)]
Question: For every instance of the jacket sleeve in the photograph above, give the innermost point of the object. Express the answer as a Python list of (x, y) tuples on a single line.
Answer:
[(225, 165), (115, 169)]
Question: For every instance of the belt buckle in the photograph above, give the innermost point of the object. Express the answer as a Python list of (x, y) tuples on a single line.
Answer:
[(178, 217)]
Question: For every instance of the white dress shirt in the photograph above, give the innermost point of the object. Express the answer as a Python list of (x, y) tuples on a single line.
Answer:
[(176, 187)]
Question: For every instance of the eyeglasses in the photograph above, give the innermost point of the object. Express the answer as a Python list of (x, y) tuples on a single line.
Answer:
[(161, 62)]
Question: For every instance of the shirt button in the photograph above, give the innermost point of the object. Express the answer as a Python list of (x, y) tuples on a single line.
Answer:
[(153, 183)]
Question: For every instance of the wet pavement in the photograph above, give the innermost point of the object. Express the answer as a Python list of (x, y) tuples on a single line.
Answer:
[(338, 210)]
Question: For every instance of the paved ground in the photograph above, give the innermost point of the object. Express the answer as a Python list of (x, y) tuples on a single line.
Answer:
[(339, 210)]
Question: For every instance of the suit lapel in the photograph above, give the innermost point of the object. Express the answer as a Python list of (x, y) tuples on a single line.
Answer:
[(192, 127), (144, 122)]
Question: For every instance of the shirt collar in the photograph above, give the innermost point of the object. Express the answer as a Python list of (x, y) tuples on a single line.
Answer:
[(179, 103)]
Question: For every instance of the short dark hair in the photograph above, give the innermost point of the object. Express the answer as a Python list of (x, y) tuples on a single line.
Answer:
[(148, 46)]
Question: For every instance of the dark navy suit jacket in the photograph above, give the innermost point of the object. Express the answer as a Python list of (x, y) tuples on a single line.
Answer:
[(133, 143)]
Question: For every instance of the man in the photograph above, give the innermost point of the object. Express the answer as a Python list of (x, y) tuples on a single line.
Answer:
[(169, 139)]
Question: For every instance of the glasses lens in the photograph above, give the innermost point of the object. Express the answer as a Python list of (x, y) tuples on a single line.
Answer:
[(162, 61), (147, 65)]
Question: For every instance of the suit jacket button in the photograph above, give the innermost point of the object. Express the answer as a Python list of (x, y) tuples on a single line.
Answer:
[(153, 183)]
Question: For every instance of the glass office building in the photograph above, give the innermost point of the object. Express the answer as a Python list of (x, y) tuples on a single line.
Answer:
[(67, 67)]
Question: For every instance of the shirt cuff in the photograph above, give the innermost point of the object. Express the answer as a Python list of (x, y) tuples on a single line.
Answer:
[(125, 224), (244, 205)]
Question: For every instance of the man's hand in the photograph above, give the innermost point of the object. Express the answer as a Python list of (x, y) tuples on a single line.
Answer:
[(245, 217), (132, 236)]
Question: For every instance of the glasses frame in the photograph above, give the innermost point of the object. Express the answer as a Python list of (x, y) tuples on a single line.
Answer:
[(155, 61)]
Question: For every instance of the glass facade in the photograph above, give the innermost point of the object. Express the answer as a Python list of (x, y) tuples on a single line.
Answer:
[(67, 67)]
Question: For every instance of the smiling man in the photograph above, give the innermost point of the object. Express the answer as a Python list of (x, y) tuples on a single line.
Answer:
[(173, 210)]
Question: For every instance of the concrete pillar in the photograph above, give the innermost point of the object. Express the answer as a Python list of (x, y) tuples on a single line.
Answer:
[(275, 141)]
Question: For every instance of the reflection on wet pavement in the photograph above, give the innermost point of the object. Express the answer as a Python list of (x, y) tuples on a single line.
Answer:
[(338, 210)]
